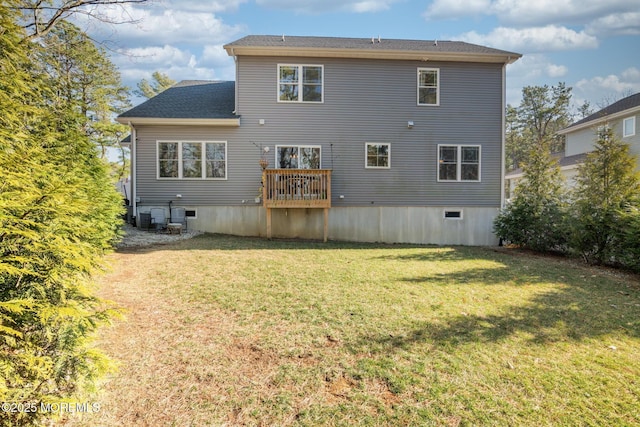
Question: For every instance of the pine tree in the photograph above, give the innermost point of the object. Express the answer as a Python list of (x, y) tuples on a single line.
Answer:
[(161, 82), (535, 217), (59, 213), (84, 79), (607, 186)]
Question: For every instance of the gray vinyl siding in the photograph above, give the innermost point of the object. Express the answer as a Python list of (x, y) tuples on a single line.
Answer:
[(583, 140), (364, 101)]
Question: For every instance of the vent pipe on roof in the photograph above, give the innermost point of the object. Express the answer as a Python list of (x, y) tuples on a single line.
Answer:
[(283, 37), (379, 39)]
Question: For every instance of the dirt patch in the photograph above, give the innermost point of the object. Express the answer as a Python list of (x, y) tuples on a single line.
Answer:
[(136, 237)]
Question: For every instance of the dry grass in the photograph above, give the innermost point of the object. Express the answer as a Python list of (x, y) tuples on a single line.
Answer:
[(232, 331)]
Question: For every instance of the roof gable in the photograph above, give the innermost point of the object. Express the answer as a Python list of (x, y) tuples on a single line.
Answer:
[(630, 103)]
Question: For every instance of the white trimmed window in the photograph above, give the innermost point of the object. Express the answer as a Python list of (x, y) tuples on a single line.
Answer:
[(428, 86), (192, 159), (297, 157), (300, 83), (629, 127), (377, 156), (458, 163)]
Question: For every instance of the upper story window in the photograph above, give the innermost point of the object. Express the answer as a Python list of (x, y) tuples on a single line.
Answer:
[(428, 86), (458, 163), (300, 83), (297, 157), (629, 127), (192, 160), (377, 156)]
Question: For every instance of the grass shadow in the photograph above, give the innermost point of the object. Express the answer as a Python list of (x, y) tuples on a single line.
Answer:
[(575, 312)]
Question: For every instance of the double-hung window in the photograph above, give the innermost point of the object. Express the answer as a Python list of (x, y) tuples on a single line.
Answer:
[(377, 156), (297, 157), (458, 163), (300, 83), (192, 160), (629, 127), (428, 86)]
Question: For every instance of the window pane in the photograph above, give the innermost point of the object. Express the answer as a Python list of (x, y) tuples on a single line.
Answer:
[(312, 93), (309, 158), (288, 92), (168, 168), (312, 75), (216, 165), (629, 125), (168, 151), (378, 155), (168, 159), (470, 172), (428, 78), (216, 169), (288, 74), (448, 154), (448, 172), (191, 160), (215, 151), (288, 157), (428, 96), (470, 154)]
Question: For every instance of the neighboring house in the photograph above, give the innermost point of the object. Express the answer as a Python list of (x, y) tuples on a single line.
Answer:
[(362, 139), (622, 116)]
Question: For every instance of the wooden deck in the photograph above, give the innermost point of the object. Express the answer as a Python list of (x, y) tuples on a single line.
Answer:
[(296, 189)]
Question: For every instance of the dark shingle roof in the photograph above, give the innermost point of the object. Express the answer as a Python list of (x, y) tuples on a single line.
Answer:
[(190, 99), (367, 44), (624, 104), (563, 161)]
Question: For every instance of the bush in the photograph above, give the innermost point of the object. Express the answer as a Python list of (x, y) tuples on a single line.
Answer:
[(59, 213), (535, 218), (606, 186), (626, 251)]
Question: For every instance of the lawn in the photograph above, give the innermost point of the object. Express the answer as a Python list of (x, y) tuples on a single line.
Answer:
[(232, 331)]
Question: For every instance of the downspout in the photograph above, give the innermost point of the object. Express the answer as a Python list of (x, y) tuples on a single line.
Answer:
[(134, 169), (503, 149), (235, 60)]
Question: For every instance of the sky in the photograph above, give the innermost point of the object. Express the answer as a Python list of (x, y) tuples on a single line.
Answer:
[(592, 46)]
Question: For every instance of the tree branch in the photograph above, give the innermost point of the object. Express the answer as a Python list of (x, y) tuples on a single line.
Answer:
[(39, 18)]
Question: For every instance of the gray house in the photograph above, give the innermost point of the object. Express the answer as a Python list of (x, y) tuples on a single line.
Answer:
[(350, 139), (621, 116)]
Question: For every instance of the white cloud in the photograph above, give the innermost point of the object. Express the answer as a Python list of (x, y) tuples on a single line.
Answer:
[(161, 26), (323, 6), (627, 82), (215, 56), (536, 39), (211, 6), (616, 24), (532, 13), (555, 71), (155, 55)]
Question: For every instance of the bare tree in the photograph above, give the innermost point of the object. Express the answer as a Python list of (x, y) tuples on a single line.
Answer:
[(40, 16)]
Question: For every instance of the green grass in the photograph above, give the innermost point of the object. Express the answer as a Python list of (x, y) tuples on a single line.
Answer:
[(254, 332)]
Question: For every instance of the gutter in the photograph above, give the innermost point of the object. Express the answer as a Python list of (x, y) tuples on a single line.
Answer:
[(179, 121), (134, 170), (507, 58)]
